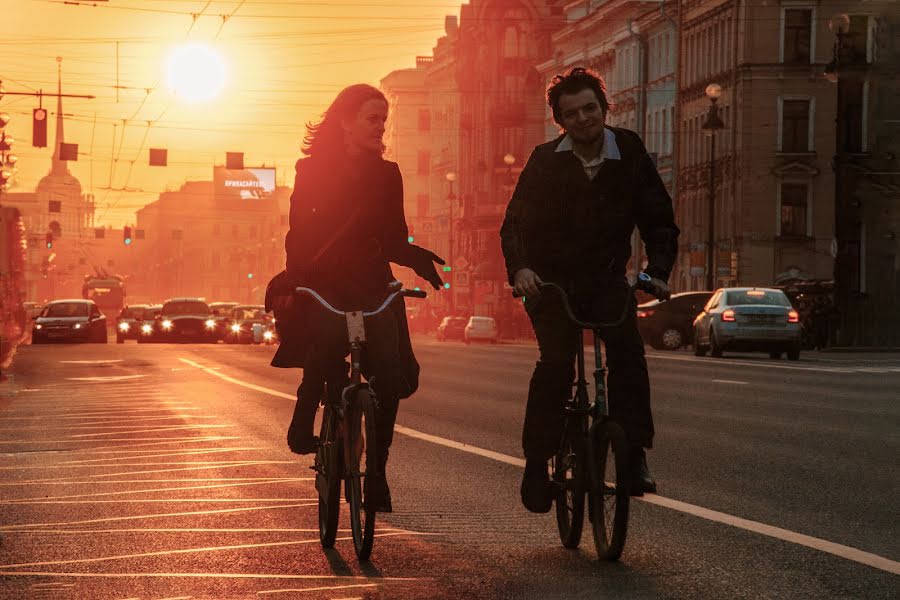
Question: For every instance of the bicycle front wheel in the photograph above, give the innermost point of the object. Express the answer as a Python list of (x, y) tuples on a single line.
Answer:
[(328, 478), (608, 496), (568, 477), (360, 459)]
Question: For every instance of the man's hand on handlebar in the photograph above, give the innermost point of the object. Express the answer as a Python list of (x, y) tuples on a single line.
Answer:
[(527, 283), (656, 287)]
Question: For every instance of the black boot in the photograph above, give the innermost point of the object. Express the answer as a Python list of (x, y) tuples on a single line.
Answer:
[(640, 480), (300, 436), (536, 490)]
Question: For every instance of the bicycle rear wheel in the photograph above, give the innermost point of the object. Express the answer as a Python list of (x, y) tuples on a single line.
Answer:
[(608, 496), (328, 478), (568, 476), (360, 459)]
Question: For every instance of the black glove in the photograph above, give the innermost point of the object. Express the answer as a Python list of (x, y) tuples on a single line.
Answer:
[(422, 262), (659, 289)]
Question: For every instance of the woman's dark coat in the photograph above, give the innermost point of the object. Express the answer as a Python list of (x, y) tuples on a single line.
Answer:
[(346, 226)]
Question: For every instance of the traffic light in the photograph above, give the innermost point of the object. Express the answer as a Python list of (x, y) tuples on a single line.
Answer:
[(39, 128), (447, 285), (49, 239), (126, 236)]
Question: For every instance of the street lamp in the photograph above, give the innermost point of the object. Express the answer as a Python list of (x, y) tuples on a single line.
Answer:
[(451, 177), (712, 124)]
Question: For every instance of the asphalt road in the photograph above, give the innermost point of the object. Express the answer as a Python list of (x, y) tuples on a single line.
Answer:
[(161, 471)]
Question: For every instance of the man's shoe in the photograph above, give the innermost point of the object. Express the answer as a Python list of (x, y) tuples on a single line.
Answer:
[(301, 443), (377, 494), (640, 480), (537, 492)]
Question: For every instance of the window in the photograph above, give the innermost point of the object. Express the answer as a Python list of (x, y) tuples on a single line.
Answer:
[(855, 47), (424, 162), (424, 119), (253, 231), (177, 234), (422, 205), (511, 42), (234, 230), (795, 126), (285, 220), (54, 206), (797, 35), (794, 198), (139, 234), (99, 234), (852, 134)]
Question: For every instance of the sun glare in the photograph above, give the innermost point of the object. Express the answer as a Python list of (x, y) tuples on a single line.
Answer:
[(196, 72)]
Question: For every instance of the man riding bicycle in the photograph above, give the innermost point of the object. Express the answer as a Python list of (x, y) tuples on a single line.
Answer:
[(569, 222)]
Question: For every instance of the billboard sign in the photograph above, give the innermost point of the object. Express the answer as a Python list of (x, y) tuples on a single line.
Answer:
[(247, 184)]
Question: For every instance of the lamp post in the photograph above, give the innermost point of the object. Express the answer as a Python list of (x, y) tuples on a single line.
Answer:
[(839, 26), (712, 124), (451, 197)]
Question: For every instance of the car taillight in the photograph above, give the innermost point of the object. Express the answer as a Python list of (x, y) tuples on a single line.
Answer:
[(793, 317), (728, 315), (644, 313)]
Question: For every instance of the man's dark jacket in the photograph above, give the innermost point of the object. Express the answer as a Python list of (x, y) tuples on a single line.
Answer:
[(566, 227), (346, 226)]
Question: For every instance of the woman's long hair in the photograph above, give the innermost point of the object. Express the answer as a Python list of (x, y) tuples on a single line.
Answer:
[(327, 136)]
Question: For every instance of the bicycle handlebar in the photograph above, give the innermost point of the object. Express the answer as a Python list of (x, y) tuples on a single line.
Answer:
[(642, 283), (397, 293)]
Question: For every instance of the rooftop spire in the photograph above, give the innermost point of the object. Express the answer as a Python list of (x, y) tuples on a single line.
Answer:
[(59, 167)]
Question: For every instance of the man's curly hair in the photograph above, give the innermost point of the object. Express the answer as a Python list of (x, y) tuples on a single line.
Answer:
[(576, 80)]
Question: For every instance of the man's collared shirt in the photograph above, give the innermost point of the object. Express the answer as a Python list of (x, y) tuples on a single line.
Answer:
[(610, 151)]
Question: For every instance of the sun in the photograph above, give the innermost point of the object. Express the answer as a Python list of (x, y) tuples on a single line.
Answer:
[(196, 72)]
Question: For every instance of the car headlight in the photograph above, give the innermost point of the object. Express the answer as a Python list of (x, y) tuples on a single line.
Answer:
[(268, 335), (167, 324), (124, 326), (77, 325), (210, 324), (236, 328), (147, 328), (38, 326)]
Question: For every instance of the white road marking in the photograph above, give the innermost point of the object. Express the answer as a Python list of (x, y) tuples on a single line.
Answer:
[(91, 362), (206, 575), (73, 561), (847, 552), (729, 381), (317, 589), (107, 378)]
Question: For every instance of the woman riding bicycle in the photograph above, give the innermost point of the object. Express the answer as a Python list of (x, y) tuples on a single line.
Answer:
[(346, 225)]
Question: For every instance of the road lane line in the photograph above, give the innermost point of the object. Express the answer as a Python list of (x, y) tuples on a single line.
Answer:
[(846, 552), (208, 575), (866, 558), (729, 381), (316, 589), (81, 561)]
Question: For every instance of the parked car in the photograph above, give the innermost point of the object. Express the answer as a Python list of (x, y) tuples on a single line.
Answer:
[(75, 320), (220, 311), (481, 328), (240, 322), (184, 320), (669, 325), (452, 328), (748, 319), (129, 321)]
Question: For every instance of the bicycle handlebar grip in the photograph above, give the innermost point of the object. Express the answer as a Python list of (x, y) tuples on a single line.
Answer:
[(415, 293)]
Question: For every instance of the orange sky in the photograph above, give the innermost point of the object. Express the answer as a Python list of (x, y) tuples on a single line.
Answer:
[(287, 59)]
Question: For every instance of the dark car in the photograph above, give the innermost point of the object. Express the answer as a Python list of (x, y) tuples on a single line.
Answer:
[(184, 320), (221, 312), (452, 328), (145, 325), (669, 325), (239, 326), (69, 321), (129, 321)]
